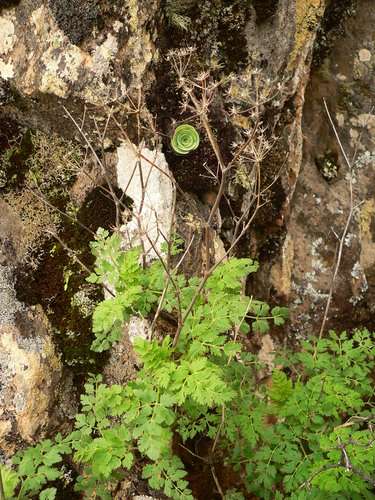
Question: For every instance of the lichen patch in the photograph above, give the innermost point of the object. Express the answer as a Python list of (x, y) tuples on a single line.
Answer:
[(104, 54), (6, 44), (365, 218), (7, 35), (364, 55), (308, 13)]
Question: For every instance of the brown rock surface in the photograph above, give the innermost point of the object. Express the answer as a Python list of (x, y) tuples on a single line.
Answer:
[(320, 206), (36, 393)]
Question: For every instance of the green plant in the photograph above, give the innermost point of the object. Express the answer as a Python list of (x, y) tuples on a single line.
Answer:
[(36, 467), (327, 164), (205, 385), (185, 139), (180, 388), (315, 420)]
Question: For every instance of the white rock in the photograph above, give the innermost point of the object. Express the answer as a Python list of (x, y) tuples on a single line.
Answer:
[(138, 327), (153, 203)]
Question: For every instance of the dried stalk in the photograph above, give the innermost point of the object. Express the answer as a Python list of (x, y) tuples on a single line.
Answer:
[(352, 209)]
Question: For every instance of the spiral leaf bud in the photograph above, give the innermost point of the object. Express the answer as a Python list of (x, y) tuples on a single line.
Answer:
[(185, 139)]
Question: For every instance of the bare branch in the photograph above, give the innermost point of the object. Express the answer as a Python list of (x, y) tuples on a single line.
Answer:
[(170, 277), (355, 420), (345, 230), (344, 462), (213, 472)]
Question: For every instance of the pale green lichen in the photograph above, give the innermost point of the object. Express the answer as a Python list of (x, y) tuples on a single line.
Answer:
[(349, 238), (140, 44), (84, 303), (316, 244), (308, 13), (365, 218), (241, 176), (364, 55), (178, 13)]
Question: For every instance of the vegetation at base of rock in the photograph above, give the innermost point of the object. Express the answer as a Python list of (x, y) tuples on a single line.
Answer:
[(312, 422)]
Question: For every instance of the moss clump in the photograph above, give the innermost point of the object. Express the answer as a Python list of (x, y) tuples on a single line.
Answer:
[(7, 94), (331, 27), (75, 17), (46, 166), (51, 170), (15, 148), (264, 9), (348, 98), (8, 3), (59, 284), (55, 163), (214, 28)]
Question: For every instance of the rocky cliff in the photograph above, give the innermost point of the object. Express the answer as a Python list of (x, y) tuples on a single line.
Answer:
[(84, 82)]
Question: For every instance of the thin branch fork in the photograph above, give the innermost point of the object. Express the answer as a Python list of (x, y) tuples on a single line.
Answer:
[(170, 278), (356, 420), (344, 462), (346, 228)]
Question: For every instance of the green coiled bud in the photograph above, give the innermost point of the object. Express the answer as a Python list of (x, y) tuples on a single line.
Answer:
[(185, 139)]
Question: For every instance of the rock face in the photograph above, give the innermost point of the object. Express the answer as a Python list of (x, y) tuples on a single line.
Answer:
[(94, 58), (149, 183), (306, 253), (41, 60), (36, 393)]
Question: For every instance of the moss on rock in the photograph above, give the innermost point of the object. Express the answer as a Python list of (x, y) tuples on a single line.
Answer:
[(75, 17), (264, 9)]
